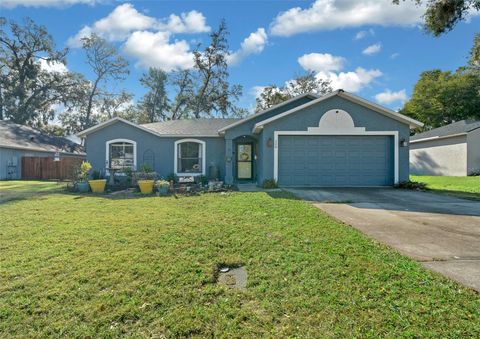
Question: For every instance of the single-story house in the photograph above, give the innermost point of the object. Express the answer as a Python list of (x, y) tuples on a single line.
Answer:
[(453, 150), (19, 141), (338, 139)]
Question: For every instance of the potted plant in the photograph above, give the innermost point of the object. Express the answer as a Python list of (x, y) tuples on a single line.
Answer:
[(97, 184), (82, 183), (146, 179), (162, 186)]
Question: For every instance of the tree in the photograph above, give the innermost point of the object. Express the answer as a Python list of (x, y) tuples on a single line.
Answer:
[(154, 104), (107, 65), (440, 98), (205, 90), (27, 91), (441, 16), (474, 61), (301, 84)]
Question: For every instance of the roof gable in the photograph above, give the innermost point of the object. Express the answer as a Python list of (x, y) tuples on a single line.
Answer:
[(348, 96), (310, 96)]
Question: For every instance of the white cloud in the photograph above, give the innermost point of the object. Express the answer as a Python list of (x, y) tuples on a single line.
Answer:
[(352, 81), (116, 26), (363, 34), (372, 49), (53, 67), (333, 14), (389, 97), (155, 50), (321, 62), (191, 22), (253, 44), (394, 55), (125, 19), (44, 3)]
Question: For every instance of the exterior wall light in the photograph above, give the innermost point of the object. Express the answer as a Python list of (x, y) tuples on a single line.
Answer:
[(403, 143), (269, 143)]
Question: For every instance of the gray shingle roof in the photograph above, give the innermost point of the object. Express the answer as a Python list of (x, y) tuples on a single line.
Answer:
[(18, 136), (190, 127), (463, 126)]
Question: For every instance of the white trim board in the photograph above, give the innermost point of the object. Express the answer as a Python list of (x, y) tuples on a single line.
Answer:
[(107, 151), (204, 156), (360, 133), (437, 138), (348, 96)]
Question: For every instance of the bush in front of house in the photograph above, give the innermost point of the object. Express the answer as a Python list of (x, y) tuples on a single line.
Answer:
[(269, 184), (412, 185)]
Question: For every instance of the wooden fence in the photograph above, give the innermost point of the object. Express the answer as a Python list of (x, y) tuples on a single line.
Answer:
[(45, 168)]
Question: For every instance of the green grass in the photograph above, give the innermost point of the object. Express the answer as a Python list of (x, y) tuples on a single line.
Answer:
[(17, 189), (90, 266), (463, 187)]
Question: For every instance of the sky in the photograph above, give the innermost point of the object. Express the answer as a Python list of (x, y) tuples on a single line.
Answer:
[(372, 48)]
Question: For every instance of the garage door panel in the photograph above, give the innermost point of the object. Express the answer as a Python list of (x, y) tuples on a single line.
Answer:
[(335, 160)]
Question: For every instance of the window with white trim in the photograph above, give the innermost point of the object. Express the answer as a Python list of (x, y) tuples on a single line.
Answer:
[(189, 157), (121, 155)]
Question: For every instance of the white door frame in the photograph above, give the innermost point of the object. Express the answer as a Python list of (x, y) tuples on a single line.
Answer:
[(338, 133)]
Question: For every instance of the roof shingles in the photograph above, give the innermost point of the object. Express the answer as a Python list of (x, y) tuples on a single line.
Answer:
[(19, 136), (459, 127), (205, 127)]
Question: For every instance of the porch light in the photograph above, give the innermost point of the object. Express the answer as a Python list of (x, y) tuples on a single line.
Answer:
[(403, 143), (269, 143)]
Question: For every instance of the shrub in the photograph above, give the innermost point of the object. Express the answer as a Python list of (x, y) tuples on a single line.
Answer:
[(85, 168), (162, 183), (411, 185), (146, 168), (270, 183), (96, 175), (172, 177), (201, 179)]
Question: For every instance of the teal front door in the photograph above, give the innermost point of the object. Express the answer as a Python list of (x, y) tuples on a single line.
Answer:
[(245, 161)]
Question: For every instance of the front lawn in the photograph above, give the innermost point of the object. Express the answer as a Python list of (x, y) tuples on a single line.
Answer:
[(91, 266), (463, 187)]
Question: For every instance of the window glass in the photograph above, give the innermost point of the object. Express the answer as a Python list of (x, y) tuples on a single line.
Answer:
[(189, 157), (121, 155)]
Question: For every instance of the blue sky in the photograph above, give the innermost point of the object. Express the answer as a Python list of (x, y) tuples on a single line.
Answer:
[(369, 47)]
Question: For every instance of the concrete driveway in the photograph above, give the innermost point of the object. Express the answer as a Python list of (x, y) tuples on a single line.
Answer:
[(441, 232)]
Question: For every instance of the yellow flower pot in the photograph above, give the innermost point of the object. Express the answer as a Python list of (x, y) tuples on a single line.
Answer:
[(97, 186), (146, 186)]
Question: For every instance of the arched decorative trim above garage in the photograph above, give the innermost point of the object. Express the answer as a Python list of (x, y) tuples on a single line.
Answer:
[(336, 120)]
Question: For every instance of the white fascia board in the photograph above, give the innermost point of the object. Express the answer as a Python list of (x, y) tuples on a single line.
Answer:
[(437, 138)]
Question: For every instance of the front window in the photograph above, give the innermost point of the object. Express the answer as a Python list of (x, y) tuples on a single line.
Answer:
[(121, 155), (189, 157)]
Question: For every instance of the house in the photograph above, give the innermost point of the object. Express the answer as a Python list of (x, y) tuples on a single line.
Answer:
[(18, 142), (338, 139), (453, 150)]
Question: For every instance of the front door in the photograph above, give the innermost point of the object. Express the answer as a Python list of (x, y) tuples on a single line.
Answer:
[(245, 161)]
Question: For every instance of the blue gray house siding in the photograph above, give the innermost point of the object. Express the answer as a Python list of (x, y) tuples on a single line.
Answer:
[(245, 129), (310, 117), (163, 148)]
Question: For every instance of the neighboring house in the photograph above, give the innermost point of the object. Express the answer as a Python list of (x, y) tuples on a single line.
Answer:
[(335, 140), (448, 150), (18, 141)]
